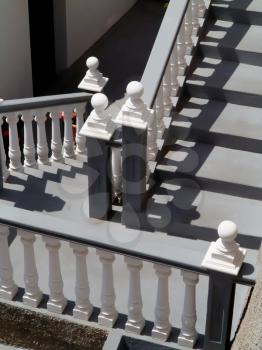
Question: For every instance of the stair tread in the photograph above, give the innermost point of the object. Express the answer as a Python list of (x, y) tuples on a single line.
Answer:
[(227, 34), (215, 163), (254, 5), (227, 76), (220, 117)]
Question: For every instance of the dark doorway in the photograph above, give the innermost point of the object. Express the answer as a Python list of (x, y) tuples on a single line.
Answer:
[(41, 18)]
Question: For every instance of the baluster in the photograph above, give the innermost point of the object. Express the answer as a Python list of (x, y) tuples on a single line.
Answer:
[(80, 139), (174, 72), (135, 322), (201, 8), (188, 334), (83, 308), (8, 288), (195, 21), (162, 326), (42, 147), (166, 83), (33, 295), (56, 143), (151, 137), (116, 159), (108, 313), (57, 301), (29, 145), (188, 30), (68, 136), (14, 149), (159, 108), (5, 172), (181, 50)]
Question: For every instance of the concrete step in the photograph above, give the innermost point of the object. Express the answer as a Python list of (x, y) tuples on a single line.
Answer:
[(242, 11), (233, 41), (214, 168), (229, 81), (220, 123)]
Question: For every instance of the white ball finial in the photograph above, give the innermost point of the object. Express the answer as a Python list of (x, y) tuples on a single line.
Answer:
[(135, 90), (99, 102), (227, 231), (92, 63), (1, 100)]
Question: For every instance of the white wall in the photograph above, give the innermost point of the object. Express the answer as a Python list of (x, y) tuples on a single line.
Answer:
[(15, 53), (86, 21)]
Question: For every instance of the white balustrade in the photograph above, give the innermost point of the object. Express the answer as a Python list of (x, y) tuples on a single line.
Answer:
[(162, 326), (29, 145), (57, 301), (201, 8), (33, 295), (83, 308), (56, 143), (108, 314), (166, 83), (80, 139), (159, 108), (181, 50), (188, 30), (135, 322), (195, 21), (68, 145), (8, 288), (93, 80), (174, 72), (152, 137), (5, 172), (116, 160), (188, 335), (42, 147), (14, 149)]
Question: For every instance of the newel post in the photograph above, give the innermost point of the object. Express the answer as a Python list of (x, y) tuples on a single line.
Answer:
[(134, 117), (99, 129), (224, 259)]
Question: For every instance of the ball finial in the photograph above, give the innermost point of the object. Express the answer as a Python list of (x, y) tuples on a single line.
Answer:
[(227, 231), (99, 102), (92, 63), (135, 90)]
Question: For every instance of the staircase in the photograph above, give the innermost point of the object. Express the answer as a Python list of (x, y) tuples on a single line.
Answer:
[(214, 152)]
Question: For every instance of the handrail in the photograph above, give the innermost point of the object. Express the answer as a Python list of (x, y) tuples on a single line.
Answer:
[(43, 101), (162, 48)]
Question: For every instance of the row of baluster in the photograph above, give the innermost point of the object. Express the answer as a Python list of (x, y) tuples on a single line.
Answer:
[(83, 308), (39, 154)]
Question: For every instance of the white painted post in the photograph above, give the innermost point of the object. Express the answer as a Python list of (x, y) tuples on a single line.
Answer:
[(56, 143), (135, 322), (195, 21), (181, 50), (8, 288), (166, 83), (93, 80), (57, 301), (14, 149), (201, 8), (42, 147), (80, 139), (162, 326), (29, 145), (33, 295), (117, 171), (68, 146), (188, 29), (108, 314), (3, 155), (188, 335), (159, 108), (174, 71), (83, 308), (152, 137)]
